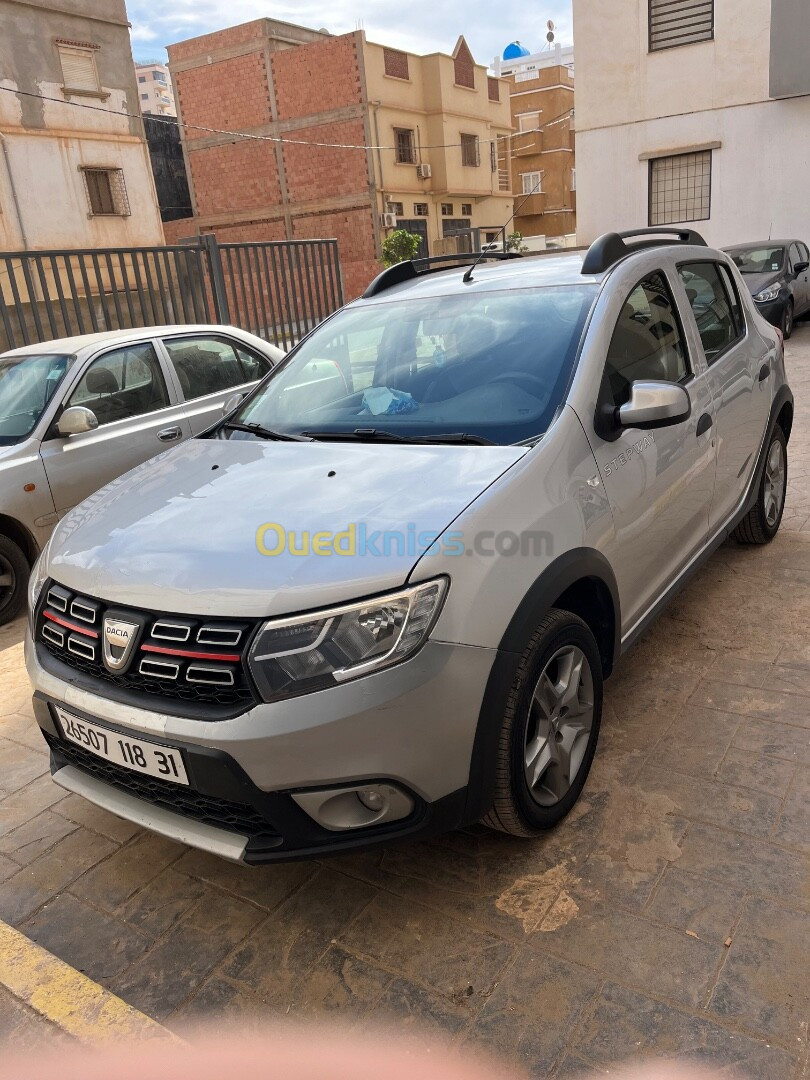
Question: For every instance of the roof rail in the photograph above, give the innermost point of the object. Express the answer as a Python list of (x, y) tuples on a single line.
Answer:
[(411, 268), (610, 247)]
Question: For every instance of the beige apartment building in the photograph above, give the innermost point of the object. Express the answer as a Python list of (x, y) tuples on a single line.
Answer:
[(449, 124), (542, 154), (155, 92), (71, 177), (349, 139)]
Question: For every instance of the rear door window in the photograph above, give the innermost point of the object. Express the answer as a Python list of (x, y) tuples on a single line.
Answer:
[(122, 383), (211, 365), (712, 307)]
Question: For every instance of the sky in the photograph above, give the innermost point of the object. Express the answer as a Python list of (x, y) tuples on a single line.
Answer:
[(418, 25)]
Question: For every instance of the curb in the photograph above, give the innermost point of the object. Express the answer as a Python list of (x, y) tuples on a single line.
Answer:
[(68, 999)]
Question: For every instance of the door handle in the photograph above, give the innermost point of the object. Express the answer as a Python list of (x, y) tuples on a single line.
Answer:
[(169, 434), (703, 424), (764, 372)]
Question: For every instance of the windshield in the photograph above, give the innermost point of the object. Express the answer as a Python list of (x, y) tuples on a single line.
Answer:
[(758, 260), (494, 366), (27, 384)]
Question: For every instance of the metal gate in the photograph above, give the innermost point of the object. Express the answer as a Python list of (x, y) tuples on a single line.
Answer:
[(278, 290)]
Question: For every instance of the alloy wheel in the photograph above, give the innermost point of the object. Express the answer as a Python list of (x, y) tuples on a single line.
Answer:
[(774, 488), (561, 715)]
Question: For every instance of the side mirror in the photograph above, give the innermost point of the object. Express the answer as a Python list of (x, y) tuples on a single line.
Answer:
[(800, 267), (233, 402), (654, 404), (76, 420)]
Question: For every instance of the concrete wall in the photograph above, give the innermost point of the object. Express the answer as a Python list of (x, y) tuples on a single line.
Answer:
[(47, 141), (632, 104)]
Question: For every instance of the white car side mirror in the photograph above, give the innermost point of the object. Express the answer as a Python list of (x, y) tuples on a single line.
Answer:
[(76, 420)]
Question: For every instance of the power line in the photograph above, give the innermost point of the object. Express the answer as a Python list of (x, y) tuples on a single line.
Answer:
[(264, 138)]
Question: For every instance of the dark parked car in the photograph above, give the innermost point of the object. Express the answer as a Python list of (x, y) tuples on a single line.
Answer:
[(776, 273)]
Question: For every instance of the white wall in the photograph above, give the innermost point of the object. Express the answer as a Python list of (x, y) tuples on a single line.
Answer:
[(759, 174)]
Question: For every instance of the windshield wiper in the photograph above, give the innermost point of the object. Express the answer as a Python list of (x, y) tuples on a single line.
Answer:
[(378, 435), (265, 433)]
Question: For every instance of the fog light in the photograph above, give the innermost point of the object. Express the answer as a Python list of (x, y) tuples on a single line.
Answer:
[(372, 800)]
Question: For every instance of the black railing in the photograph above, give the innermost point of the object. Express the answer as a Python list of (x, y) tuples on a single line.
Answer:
[(278, 290)]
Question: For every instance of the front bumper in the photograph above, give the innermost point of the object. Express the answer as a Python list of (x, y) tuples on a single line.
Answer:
[(412, 726), (773, 311)]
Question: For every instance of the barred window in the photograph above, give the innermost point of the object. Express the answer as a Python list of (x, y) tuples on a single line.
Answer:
[(681, 188), (395, 208), (680, 22), (466, 209), (396, 63), (420, 209), (470, 150), (106, 192), (447, 209), (405, 148)]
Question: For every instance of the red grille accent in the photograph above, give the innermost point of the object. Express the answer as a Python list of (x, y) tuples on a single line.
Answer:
[(72, 626), (233, 658)]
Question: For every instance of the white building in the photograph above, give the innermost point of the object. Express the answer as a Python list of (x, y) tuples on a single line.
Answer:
[(155, 92), (557, 56), (693, 112)]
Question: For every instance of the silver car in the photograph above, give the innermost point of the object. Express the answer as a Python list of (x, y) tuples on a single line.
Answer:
[(77, 412), (380, 598)]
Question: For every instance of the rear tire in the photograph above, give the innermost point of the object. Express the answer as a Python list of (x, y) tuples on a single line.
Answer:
[(761, 524), (550, 727), (787, 320), (14, 571)]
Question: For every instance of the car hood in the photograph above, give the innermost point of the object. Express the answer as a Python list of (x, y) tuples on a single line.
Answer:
[(179, 533), (757, 282)]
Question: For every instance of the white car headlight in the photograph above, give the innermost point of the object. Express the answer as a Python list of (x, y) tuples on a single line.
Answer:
[(315, 651), (768, 294)]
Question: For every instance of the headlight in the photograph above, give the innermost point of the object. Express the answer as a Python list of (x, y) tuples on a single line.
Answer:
[(35, 583), (312, 652), (768, 294)]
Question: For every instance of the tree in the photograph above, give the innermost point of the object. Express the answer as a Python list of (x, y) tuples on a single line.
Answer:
[(514, 242), (400, 246)]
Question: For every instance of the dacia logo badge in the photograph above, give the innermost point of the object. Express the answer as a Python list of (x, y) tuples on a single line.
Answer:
[(117, 642)]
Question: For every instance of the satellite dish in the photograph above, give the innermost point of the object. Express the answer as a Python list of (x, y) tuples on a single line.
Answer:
[(550, 24), (550, 36)]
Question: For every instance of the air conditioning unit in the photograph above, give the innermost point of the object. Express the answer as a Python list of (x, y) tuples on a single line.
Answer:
[(389, 221), (423, 172)]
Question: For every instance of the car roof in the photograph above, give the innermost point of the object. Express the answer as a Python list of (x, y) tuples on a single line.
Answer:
[(762, 243), (528, 272), (79, 342)]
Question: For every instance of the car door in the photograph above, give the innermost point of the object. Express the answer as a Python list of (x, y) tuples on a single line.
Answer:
[(210, 368), (659, 482), (138, 415), (734, 360), (797, 255)]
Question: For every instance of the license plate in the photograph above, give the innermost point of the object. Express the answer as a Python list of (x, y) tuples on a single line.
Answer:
[(139, 756)]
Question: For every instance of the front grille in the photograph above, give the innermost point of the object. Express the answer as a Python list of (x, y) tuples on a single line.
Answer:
[(186, 658), (235, 817)]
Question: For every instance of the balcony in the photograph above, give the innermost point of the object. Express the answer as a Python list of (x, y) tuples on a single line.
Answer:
[(526, 143), (534, 204)]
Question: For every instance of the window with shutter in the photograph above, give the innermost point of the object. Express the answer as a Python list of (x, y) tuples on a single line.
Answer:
[(106, 192), (680, 22), (79, 69), (470, 151)]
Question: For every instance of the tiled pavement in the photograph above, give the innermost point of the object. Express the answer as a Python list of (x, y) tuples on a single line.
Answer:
[(670, 914)]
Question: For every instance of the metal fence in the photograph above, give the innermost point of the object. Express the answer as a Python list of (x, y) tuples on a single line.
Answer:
[(278, 290)]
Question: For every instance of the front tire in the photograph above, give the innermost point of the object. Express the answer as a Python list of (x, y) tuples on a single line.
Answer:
[(549, 729), (787, 320), (761, 524), (14, 571)]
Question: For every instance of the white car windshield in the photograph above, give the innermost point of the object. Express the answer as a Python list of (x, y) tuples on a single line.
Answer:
[(494, 366), (27, 384)]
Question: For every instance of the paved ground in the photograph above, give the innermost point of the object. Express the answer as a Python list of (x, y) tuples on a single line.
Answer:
[(669, 914)]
